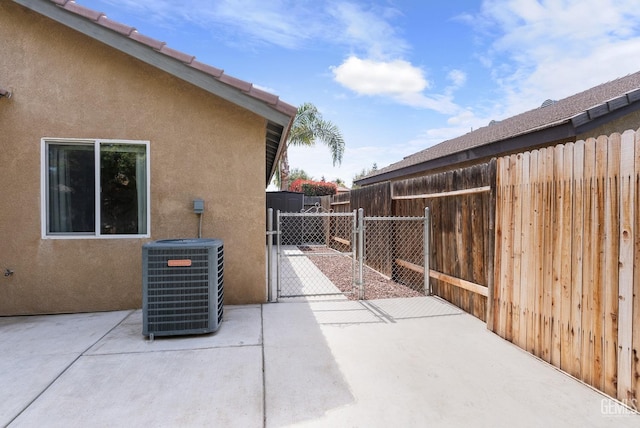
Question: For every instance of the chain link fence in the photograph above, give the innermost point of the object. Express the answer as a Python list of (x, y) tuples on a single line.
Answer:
[(395, 247), (324, 254), (311, 243)]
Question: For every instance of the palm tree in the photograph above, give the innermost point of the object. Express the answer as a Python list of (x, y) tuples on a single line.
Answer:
[(309, 126)]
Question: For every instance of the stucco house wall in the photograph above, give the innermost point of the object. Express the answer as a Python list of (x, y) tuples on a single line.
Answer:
[(67, 85)]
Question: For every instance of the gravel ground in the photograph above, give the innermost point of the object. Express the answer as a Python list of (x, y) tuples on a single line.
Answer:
[(338, 270)]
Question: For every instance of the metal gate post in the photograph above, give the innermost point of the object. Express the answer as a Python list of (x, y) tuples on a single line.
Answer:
[(360, 252), (278, 261), (269, 254), (427, 251)]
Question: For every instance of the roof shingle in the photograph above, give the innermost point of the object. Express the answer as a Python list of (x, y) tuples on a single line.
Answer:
[(577, 109)]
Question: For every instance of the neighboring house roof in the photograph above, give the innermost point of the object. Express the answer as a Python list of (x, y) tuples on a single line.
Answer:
[(181, 65), (554, 120)]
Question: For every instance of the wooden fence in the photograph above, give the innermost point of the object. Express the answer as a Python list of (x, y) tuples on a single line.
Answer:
[(462, 240), (567, 265)]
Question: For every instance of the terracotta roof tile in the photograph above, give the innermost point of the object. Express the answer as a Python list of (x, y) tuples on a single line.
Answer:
[(115, 26), (215, 72), (265, 96), (146, 40), (180, 56), (91, 14), (189, 60), (244, 86), (286, 108)]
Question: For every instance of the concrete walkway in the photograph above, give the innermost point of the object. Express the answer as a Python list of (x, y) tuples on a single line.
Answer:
[(400, 362)]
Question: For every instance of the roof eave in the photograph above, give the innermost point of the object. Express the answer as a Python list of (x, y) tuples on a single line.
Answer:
[(568, 128), (163, 62), (497, 148)]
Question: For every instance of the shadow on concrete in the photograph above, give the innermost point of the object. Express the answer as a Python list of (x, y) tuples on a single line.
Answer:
[(302, 379)]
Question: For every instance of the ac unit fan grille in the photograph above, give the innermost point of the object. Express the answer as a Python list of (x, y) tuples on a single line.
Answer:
[(182, 299)]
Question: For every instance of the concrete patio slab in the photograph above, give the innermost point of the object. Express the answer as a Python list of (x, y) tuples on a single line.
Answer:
[(398, 362), (35, 350), (299, 276), (441, 369), (241, 325), (206, 387)]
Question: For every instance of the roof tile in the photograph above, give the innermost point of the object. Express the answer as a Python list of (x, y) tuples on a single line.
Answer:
[(115, 26), (83, 11), (236, 83), (213, 71), (286, 108), (267, 97), (189, 60), (180, 56), (146, 40)]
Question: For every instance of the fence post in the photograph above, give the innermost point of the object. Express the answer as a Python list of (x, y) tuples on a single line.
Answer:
[(278, 251), (269, 254), (427, 251), (360, 252)]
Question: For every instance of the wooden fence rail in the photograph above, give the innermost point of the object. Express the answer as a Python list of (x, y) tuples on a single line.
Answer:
[(567, 265), (462, 204)]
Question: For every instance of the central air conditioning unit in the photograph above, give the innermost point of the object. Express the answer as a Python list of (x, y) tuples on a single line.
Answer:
[(182, 281)]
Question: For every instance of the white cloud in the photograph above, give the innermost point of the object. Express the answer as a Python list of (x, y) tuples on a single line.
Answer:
[(457, 77), (285, 23), (368, 31), (397, 79), (553, 49), (369, 77)]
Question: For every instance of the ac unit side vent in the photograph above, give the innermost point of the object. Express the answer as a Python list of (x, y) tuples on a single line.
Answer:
[(183, 286)]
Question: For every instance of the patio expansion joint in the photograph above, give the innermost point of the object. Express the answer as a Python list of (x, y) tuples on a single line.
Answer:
[(155, 351), (66, 369)]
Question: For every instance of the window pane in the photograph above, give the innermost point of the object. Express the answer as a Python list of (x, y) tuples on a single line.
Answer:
[(123, 197), (71, 182)]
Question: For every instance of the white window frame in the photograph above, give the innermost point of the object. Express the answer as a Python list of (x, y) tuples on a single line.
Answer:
[(44, 190)]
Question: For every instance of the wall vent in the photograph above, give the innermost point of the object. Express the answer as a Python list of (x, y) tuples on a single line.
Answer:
[(182, 286)]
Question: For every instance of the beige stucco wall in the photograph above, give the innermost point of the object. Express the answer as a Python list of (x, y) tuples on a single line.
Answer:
[(67, 85), (630, 121)]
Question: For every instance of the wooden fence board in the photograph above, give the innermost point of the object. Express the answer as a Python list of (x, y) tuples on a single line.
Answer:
[(612, 233), (567, 259), (494, 292), (557, 224), (635, 369), (600, 262), (526, 241), (625, 290), (459, 201), (539, 253), (547, 262), (530, 242), (574, 367), (516, 230), (588, 265), (505, 248), (566, 227)]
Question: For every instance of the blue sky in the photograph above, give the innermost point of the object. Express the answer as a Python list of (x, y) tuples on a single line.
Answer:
[(399, 76)]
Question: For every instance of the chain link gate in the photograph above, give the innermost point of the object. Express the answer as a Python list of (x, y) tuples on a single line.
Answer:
[(398, 248), (312, 242), (309, 242)]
